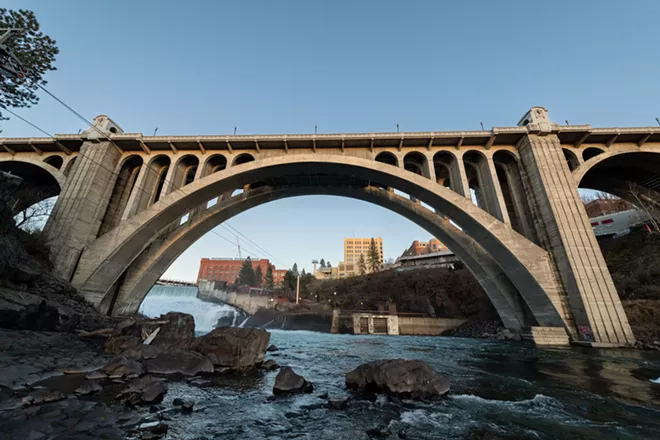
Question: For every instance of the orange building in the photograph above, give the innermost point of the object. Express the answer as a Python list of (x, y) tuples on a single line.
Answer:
[(424, 247), (278, 275), (228, 269)]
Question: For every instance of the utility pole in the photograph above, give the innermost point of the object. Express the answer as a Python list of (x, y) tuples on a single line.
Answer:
[(298, 289), (239, 248)]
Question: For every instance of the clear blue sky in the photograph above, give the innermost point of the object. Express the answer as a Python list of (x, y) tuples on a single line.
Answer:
[(347, 66)]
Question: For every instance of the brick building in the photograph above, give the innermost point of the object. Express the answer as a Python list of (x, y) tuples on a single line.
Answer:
[(424, 247), (228, 269), (598, 207)]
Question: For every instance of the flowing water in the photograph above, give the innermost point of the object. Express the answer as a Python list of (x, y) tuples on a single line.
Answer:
[(505, 388), (163, 299)]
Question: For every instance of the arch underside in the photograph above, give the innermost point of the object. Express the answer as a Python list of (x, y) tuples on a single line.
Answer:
[(39, 182), (628, 175), (527, 266), (153, 262)]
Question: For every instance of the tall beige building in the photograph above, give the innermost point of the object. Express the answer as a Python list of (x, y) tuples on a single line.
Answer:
[(354, 247)]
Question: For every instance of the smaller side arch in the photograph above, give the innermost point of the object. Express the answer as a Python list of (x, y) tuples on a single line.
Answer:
[(55, 161), (185, 170), (243, 158), (388, 158), (417, 163), (213, 164), (447, 171), (591, 152)]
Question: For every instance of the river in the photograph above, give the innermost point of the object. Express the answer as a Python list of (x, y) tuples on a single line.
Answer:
[(506, 388)]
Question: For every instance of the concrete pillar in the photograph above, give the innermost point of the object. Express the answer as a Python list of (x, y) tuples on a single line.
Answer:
[(459, 181), (137, 194), (496, 191), (81, 205), (592, 297), (490, 189), (520, 201), (170, 185)]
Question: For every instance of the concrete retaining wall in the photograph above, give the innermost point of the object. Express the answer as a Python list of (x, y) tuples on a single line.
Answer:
[(243, 301), (427, 326)]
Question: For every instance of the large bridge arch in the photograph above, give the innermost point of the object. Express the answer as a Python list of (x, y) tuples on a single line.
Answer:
[(527, 265), (40, 180), (146, 270), (615, 171)]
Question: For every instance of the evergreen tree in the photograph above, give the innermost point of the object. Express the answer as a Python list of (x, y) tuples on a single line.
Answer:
[(36, 53), (303, 273), (247, 276), (322, 262), (374, 257), (294, 269), (362, 265), (269, 282), (289, 281), (258, 276), (328, 264)]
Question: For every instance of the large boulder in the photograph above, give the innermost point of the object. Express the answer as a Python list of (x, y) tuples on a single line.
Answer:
[(288, 382), (234, 348), (177, 361), (398, 377), (175, 330)]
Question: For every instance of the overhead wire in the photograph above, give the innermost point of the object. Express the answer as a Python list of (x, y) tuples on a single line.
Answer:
[(154, 173), (112, 171)]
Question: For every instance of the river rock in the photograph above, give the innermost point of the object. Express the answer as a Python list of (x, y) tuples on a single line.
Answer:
[(42, 395), (122, 367), (88, 387), (272, 348), (235, 348), (176, 330), (270, 365), (338, 402), (145, 390), (398, 377), (188, 363), (180, 331), (287, 382), (187, 406)]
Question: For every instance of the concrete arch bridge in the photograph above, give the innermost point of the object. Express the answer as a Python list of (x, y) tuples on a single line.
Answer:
[(129, 206)]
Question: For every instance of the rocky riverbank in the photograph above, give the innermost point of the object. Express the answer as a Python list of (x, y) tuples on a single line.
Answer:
[(109, 383)]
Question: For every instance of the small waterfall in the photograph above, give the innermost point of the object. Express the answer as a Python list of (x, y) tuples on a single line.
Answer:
[(163, 299)]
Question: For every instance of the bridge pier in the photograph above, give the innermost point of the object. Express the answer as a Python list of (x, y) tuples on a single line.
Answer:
[(77, 217), (563, 222)]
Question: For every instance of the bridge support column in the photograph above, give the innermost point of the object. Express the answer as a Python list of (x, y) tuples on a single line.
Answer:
[(459, 179), (81, 206), (494, 192), (564, 227)]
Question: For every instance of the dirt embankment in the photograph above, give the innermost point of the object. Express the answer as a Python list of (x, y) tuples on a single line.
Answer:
[(436, 292), (634, 261)]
